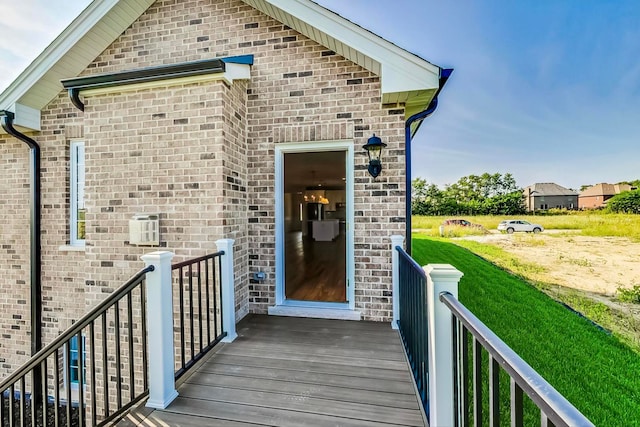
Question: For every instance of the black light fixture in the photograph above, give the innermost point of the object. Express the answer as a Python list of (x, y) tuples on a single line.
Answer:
[(374, 149)]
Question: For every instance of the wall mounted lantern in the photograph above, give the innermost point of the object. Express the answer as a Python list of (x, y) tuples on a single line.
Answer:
[(374, 149)]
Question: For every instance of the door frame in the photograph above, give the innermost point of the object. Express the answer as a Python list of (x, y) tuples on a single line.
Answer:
[(309, 147)]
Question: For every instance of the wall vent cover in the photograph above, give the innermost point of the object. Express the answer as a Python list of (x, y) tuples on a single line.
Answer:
[(144, 230)]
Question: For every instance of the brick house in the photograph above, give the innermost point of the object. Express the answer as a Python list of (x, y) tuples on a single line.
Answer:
[(596, 196), (239, 119)]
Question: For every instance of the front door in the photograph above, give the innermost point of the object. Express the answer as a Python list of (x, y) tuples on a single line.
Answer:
[(313, 226)]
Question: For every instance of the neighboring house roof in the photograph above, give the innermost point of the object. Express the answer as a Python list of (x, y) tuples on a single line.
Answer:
[(549, 189), (405, 77), (604, 189)]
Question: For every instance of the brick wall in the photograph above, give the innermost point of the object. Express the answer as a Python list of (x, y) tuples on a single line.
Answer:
[(201, 155), (152, 151), (14, 252), (299, 91)]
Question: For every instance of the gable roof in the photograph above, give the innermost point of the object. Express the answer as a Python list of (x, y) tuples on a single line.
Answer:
[(405, 77), (604, 189), (549, 189)]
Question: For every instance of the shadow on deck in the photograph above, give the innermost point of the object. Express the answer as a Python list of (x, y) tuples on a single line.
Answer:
[(285, 371)]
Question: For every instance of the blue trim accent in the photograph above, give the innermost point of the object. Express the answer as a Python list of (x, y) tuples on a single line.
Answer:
[(242, 59), (445, 73)]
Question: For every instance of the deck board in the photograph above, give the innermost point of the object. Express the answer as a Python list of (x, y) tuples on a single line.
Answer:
[(321, 368), (317, 389), (299, 372)]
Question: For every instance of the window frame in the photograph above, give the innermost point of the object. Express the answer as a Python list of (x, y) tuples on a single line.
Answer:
[(74, 350), (76, 186)]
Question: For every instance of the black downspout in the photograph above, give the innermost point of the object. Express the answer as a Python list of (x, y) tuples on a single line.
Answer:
[(445, 73), (6, 118)]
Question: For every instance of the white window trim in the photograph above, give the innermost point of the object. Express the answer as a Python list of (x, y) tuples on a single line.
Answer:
[(296, 147), (74, 241)]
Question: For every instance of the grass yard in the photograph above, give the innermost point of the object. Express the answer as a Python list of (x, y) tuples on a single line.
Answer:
[(585, 223), (593, 369)]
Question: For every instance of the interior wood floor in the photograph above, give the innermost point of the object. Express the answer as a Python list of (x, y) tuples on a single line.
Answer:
[(285, 371), (315, 271)]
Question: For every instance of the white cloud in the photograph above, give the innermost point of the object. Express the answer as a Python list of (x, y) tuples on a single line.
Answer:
[(28, 27)]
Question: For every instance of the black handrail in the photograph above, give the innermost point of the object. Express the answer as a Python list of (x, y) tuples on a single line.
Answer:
[(57, 358), (77, 327), (554, 407), (413, 327), (111, 347)]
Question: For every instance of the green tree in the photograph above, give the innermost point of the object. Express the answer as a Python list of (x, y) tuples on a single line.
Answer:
[(505, 204), (625, 202), (426, 198), (470, 195)]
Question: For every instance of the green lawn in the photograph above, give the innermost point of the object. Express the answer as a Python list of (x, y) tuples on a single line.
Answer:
[(592, 369), (586, 223)]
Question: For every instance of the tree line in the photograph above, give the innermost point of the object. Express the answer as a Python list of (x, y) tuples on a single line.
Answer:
[(493, 194), (486, 194)]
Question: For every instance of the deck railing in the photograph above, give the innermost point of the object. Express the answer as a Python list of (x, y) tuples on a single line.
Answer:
[(413, 321), (99, 368), (437, 331), (467, 330), (58, 385), (199, 309)]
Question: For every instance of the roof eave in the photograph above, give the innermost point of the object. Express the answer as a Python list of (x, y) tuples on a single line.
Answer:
[(44, 73), (405, 77)]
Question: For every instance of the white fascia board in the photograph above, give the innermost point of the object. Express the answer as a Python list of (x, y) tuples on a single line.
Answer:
[(402, 71), (26, 117), (236, 72), (411, 78)]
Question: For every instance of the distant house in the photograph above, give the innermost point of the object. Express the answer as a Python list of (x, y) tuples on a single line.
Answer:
[(596, 196), (548, 195)]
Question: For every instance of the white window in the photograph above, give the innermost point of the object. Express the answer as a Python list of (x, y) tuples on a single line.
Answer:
[(77, 224)]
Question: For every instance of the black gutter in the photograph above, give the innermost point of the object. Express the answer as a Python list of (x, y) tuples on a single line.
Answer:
[(141, 75), (445, 73), (6, 119)]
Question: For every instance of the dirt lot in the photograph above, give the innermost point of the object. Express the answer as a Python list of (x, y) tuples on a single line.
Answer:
[(597, 265)]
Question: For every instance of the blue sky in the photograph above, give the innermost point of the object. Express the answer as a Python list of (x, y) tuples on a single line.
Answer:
[(548, 90)]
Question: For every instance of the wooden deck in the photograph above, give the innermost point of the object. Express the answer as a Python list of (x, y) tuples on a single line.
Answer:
[(284, 371)]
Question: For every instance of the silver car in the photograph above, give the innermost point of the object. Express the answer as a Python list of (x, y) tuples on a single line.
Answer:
[(511, 225)]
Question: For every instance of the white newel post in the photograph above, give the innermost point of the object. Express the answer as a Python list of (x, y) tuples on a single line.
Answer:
[(228, 289), (396, 240), (440, 278), (162, 388)]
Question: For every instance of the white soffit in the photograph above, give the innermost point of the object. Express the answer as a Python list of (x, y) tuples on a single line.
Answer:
[(70, 53), (405, 77)]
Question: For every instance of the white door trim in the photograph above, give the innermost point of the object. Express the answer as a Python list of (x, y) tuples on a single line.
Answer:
[(302, 147)]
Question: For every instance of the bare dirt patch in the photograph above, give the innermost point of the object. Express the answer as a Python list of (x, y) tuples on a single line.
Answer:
[(598, 265), (576, 269)]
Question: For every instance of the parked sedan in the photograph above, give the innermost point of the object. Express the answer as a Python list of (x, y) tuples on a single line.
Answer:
[(511, 225)]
